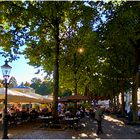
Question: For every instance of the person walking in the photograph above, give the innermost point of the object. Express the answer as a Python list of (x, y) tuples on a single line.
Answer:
[(139, 114), (98, 118)]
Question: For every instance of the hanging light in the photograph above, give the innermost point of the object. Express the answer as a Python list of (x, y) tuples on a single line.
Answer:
[(6, 69)]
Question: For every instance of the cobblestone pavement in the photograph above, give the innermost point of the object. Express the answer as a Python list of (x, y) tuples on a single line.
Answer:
[(113, 129)]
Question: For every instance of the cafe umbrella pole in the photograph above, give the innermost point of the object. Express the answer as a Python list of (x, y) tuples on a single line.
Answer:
[(6, 73)]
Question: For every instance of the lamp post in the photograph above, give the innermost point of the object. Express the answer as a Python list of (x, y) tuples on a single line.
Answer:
[(6, 73)]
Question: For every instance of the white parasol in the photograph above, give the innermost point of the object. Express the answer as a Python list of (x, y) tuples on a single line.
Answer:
[(16, 97)]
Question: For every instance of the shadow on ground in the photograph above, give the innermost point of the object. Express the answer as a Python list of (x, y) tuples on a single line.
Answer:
[(112, 127)]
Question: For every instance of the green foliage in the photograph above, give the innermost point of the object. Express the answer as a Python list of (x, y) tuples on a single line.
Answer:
[(27, 84), (43, 88), (66, 93), (109, 49), (86, 105), (35, 27), (119, 39)]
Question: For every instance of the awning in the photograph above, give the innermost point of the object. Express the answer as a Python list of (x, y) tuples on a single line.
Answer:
[(16, 97), (30, 92)]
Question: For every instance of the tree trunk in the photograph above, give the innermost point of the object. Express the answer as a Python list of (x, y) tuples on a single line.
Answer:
[(56, 73), (75, 72), (111, 103), (135, 79), (135, 82), (114, 101), (75, 87), (134, 97), (122, 97), (117, 98), (123, 103), (86, 90)]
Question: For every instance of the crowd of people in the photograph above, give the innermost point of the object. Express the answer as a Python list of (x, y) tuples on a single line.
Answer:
[(96, 112), (18, 114)]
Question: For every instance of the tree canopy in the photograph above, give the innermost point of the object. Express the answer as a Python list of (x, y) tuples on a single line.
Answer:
[(53, 32)]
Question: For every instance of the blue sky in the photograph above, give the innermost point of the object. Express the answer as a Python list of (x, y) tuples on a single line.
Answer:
[(21, 70)]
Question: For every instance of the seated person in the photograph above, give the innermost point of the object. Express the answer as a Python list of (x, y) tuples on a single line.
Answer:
[(67, 113), (33, 114), (12, 114), (78, 114)]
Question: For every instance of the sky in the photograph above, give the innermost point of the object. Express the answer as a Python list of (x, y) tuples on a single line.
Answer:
[(21, 70)]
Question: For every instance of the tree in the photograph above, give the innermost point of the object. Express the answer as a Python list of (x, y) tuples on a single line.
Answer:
[(120, 39), (41, 87), (12, 82), (43, 27), (79, 62), (27, 84)]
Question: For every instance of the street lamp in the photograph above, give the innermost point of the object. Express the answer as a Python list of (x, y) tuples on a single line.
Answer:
[(6, 73), (81, 50)]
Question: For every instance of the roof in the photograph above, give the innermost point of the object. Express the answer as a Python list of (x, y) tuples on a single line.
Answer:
[(21, 86)]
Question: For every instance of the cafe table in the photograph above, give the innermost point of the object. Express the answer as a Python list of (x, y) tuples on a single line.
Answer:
[(47, 120), (72, 122)]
